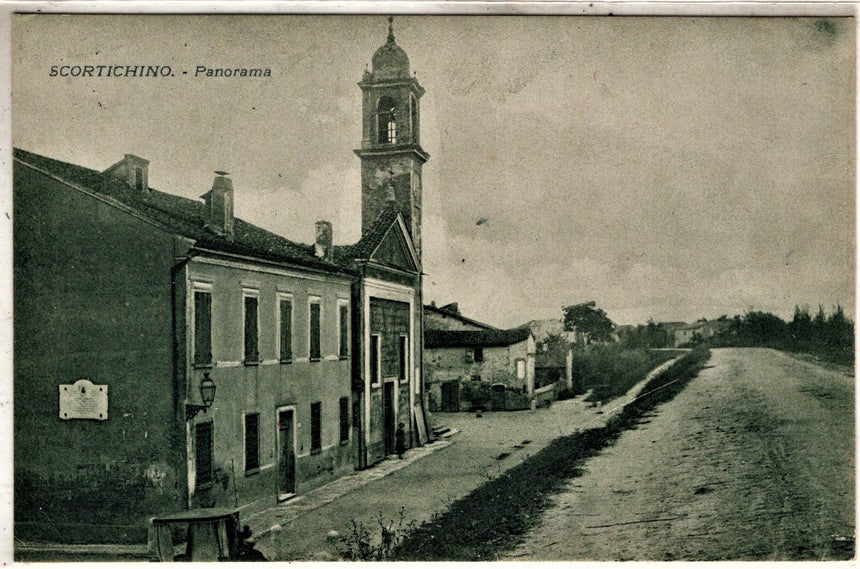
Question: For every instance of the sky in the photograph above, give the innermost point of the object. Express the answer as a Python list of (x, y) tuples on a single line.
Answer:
[(670, 168)]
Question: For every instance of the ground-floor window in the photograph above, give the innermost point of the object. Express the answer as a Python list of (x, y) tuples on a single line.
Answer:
[(316, 427), (252, 442), (403, 358), (521, 369), (344, 419), (375, 372), (203, 452)]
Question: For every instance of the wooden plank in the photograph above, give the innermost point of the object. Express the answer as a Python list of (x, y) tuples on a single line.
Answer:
[(421, 422)]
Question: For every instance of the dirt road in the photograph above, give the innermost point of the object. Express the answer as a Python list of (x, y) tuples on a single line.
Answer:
[(482, 449), (754, 460)]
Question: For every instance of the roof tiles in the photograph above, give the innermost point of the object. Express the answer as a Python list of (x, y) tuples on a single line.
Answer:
[(474, 338), (186, 217)]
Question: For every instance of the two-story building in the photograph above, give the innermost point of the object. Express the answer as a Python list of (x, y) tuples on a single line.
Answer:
[(158, 300)]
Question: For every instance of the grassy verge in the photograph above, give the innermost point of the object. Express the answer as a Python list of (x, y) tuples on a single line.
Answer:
[(610, 370), (494, 517)]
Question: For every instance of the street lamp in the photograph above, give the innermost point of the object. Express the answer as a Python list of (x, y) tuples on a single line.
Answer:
[(207, 394)]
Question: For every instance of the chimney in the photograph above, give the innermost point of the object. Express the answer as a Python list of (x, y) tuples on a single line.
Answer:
[(453, 308), (218, 216), (133, 170), (323, 243)]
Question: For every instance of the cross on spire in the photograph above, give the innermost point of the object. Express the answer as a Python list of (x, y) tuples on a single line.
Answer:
[(391, 29)]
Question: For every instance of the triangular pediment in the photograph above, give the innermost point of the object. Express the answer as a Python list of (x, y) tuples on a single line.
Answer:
[(394, 249)]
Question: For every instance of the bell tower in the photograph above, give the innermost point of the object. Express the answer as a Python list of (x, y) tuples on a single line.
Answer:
[(391, 153)]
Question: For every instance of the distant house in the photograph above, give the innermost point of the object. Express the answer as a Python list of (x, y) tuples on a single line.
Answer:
[(466, 361), (543, 328), (448, 317), (672, 326), (553, 360), (698, 332)]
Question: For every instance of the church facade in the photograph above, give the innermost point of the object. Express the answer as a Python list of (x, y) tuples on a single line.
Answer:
[(388, 300)]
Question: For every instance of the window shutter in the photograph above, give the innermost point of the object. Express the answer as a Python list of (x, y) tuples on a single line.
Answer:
[(344, 419), (202, 328), (286, 330), (374, 359), (315, 332), (403, 358), (252, 441), (316, 427), (252, 353), (344, 332), (203, 452)]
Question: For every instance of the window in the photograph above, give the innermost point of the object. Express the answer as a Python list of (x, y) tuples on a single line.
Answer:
[(252, 442), (479, 354), (470, 355), (314, 332), (521, 369), (392, 128), (252, 352), (316, 427), (403, 359), (202, 328), (374, 359), (386, 121), (203, 453), (285, 338), (343, 336), (344, 419)]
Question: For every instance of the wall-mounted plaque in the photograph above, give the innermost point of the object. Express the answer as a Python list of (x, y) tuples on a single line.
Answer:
[(84, 400)]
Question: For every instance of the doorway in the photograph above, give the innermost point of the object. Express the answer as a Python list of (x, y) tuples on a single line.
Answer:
[(450, 396), (286, 454)]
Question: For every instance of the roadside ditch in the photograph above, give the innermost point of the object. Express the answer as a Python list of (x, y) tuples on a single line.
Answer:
[(494, 517)]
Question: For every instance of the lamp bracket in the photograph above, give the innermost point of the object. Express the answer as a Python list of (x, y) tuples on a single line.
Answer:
[(191, 410)]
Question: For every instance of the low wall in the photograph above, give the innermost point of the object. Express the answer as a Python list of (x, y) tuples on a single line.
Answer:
[(546, 395)]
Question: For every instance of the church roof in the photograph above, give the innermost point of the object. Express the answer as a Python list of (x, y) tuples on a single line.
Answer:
[(381, 243), (184, 216), (474, 338), (371, 237)]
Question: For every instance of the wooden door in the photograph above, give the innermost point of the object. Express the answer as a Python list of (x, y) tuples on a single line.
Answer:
[(451, 396)]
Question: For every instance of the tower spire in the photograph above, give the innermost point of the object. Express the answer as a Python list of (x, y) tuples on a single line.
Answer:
[(390, 29)]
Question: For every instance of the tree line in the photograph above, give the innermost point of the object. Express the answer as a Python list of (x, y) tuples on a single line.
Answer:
[(830, 336), (826, 335)]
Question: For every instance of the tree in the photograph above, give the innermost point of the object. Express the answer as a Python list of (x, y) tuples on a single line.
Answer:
[(839, 333), (650, 335), (555, 346), (589, 322)]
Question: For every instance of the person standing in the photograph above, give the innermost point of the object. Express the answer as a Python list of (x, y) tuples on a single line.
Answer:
[(400, 440)]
